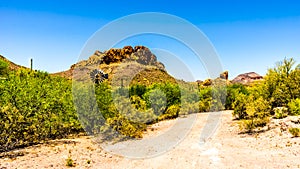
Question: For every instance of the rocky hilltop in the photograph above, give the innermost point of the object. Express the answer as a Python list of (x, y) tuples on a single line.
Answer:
[(109, 59), (247, 78), (139, 54), (132, 64)]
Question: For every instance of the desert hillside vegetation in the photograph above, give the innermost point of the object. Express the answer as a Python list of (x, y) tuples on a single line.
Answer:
[(36, 106)]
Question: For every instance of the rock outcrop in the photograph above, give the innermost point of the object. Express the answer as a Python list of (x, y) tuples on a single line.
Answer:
[(207, 82), (137, 54), (222, 80), (247, 78), (140, 54), (224, 75)]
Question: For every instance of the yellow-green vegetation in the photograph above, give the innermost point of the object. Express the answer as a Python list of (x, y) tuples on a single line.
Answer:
[(128, 110), (280, 112), (3, 68), (70, 162), (294, 106), (254, 104), (295, 132), (130, 115), (35, 107)]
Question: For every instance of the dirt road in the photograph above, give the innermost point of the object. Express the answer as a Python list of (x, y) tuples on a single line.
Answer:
[(225, 149)]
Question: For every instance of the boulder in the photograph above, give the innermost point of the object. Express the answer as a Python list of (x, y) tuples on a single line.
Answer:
[(224, 75), (207, 82)]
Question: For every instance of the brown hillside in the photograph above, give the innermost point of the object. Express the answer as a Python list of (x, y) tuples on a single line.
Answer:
[(12, 66), (130, 64)]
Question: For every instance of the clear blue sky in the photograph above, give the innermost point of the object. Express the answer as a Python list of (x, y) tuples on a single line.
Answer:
[(248, 35)]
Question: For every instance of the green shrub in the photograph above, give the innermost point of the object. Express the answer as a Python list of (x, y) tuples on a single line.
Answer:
[(157, 100), (295, 132), (126, 128), (252, 112), (294, 106), (189, 108), (129, 111), (216, 105), (232, 91), (280, 112), (137, 90), (257, 108), (248, 125), (239, 106), (205, 96), (171, 112), (35, 107), (70, 162), (218, 96), (3, 67), (281, 83), (138, 103)]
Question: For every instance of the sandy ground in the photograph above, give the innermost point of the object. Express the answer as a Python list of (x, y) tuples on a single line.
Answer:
[(227, 148)]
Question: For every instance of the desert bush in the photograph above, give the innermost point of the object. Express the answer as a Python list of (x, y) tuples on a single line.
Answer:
[(125, 127), (138, 103), (3, 68), (253, 112), (129, 111), (218, 97), (171, 91), (239, 106), (232, 92), (257, 108), (205, 104), (216, 105), (35, 107), (282, 83), (205, 99), (70, 162), (280, 112), (137, 90), (295, 132), (116, 111), (248, 125), (157, 100), (189, 108), (294, 107), (114, 115), (171, 112)]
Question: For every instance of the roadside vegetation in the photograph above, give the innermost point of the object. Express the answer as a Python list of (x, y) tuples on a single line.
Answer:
[(35, 106), (277, 96)]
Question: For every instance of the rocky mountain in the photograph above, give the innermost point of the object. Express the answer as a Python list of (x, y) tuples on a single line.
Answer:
[(139, 54), (247, 78), (135, 64)]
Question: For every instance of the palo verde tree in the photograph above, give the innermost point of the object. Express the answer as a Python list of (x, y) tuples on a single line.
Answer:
[(282, 83)]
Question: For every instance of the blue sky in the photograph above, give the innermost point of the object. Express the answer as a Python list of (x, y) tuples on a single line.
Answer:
[(248, 35)]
